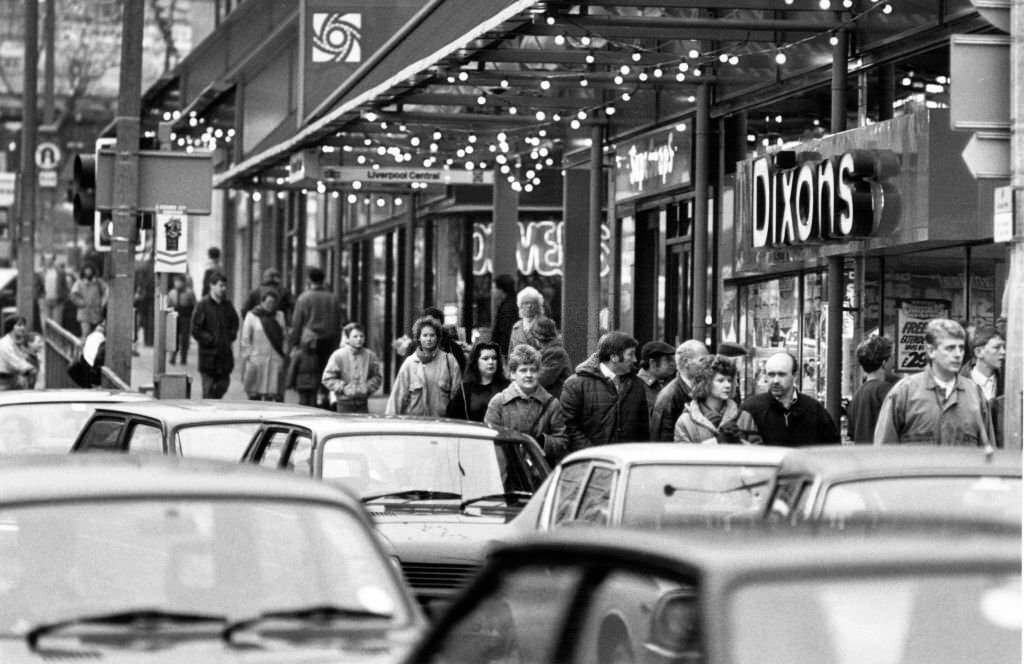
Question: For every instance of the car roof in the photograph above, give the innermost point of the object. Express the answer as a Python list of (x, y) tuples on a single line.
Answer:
[(624, 454), (834, 461), (99, 476), (76, 395), (185, 411), (322, 425)]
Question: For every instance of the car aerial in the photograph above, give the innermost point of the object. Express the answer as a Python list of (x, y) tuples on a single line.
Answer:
[(654, 485), (113, 557), (47, 421), (893, 481), (439, 490), (208, 429), (919, 595)]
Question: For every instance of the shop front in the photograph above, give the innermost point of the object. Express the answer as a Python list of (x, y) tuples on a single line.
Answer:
[(911, 225)]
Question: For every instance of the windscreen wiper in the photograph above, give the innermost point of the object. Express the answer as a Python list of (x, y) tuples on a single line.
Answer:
[(671, 489), (321, 615), (413, 494), (516, 496), (144, 620)]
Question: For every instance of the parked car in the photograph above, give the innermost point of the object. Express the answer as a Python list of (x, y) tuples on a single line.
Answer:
[(47, 421), (439, 490), (147, 558), (208, 429), (894, 481), (654, 485), (914, 596)]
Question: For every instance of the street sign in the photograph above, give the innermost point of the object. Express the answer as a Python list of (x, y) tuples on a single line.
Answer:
[(171, 226), (368, 176), (165, 178), (8, 187), (987, 155), (979, 89), (47, 156), (1002, 214), (48, 179)]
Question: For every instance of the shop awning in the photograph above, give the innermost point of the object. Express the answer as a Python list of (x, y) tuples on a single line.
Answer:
[(440, 29)]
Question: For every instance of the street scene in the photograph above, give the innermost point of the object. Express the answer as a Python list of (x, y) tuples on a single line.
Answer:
[(512, 331)]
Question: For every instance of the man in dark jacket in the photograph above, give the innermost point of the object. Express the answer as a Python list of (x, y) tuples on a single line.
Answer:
[(604, 402), (215, 327), (316, 330), (672, 398), (783, 416), (507, 312)]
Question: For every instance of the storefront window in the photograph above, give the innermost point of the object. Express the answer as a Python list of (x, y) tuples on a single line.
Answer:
[(989, 268), (627, 254), (376, 334), (773, 323)]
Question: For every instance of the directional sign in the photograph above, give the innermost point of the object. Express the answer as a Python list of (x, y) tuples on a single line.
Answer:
[(987, 155), (47, 156), (8, 185)]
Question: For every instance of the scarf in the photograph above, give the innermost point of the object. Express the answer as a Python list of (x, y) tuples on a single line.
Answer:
[(714, 416), (426, 356), (271, 328)]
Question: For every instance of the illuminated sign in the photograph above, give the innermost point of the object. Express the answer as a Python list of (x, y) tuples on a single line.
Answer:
[(654, 163), (539, 251), (404, 175), (835, 198)]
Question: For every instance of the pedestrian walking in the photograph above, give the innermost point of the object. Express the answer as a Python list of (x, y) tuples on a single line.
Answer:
[(55, 289), (937, 406), (657, 368), (448, 342), (428, 378), (525, 406), (90, 297), (672, 398), (782, 416), (315, 332), (215, 328), (506, 313), (986, 350), (262, 354), (352, 373), (213, 266), (531, 307), (271, 281), (603, 401), (710, 416), (484, 377), (555, 365), (182, 298), (873, 354), (16, 371)]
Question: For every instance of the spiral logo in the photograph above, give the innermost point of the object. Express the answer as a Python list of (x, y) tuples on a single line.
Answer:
[(337, 37)]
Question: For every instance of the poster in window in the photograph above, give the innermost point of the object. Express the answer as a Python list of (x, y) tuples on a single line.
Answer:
[(912, 317)]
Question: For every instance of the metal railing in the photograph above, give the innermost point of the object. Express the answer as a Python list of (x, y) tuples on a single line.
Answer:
[(63, 348)]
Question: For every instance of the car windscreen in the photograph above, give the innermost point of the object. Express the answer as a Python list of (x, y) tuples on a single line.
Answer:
[(666, 494), (957, 497), (42, 428), (887, 619), (232, 558), (462, 467), (224, 441)]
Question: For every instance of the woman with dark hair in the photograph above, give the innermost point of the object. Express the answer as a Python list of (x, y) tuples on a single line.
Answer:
[(710, 417), (263, 354), (484, 378), (428, 378)]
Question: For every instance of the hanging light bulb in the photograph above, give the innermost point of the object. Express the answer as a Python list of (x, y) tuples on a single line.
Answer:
[(609, 110), (734, 60), (414, 141), (584, 82), (824, 4), (437, 135), (658, 73), (887, 8), (585, 40), (624, 70), (618, 80), (643, 76), (780, 57), (463, 76), (560, 40), (541, 116), (626, 96), (684, 67), (504, 83), (680, 76), (723, 58), (581, 115), (693, 54), (512, 110), (557, 117), (471, 138), (545, 84), (589, 58), (351, 198), (637, 56), (550, 20), (481, 100), (575, 124)]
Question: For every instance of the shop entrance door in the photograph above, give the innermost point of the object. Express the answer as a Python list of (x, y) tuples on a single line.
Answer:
[(678, 296)]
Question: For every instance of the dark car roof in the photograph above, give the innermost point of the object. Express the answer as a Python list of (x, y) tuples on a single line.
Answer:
[(74, 477), (898, 460), (327, 425), (184, 411), (76, 395)]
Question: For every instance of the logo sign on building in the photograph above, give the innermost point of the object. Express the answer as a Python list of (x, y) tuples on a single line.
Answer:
[(336, 37), (653, 163), (540, 249), (912, 317), (171, 226), (400, 175)]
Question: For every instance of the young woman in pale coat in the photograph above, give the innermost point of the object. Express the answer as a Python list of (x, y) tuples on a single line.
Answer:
[(263, 355), (428, 378), (710, 417), (352, 373)]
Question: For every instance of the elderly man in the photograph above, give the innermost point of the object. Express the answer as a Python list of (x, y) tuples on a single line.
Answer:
[(672, 398), (937, 406)]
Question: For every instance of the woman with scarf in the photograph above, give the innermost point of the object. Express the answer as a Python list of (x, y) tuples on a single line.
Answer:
[(428, 378), (263, 355), (710, 417)]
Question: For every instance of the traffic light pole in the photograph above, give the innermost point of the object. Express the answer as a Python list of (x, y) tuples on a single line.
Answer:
[(27, 199), (120, 318)]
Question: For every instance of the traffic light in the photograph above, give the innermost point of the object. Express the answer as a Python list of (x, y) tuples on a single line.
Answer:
[(83, 198)]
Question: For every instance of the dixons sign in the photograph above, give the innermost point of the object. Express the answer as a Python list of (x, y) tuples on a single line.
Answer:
[(835, 198)]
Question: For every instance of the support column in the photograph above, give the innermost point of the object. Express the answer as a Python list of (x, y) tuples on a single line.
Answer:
[(26, 248), (505, 235), (593, 327), (701, 190), (836, 283), (1013, 407), (409, 267), (575, 242)]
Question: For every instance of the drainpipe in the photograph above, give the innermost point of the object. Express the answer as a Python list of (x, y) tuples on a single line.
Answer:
[(701, 178), (836, 283)]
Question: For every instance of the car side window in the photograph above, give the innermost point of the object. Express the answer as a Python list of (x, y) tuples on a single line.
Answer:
[(300, 457), (274, 445), (103, 434), (595, 507), (782, 506), (567, 491), (145, 439)]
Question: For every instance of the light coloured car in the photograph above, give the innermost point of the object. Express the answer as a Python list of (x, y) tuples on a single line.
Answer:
[(147, 558)]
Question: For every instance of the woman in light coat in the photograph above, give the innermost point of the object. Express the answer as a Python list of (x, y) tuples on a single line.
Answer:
[(710, 417), (428, 378), (531, 307), (263, 355)]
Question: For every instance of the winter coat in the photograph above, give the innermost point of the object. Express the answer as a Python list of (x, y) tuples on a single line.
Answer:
[(318, 310), (652, 387), (90, 296), (471, 399), (352, 375), (555, 367), (522, 336), (215, 327), (764, 420), (504, 320), (669, 405), (862, 413), (424, 388), (915, 412), (995, 405), (693, 426), (597, 414), (262, 366), (538, 415)]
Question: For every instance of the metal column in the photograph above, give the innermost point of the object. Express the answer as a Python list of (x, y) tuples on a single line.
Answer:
[(575, 259), (504, 234), (594, 238), (701, 179), (27, 198), (836, 283), (1013, 411)]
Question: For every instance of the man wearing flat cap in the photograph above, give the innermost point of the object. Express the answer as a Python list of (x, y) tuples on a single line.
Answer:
[(657, 368)]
